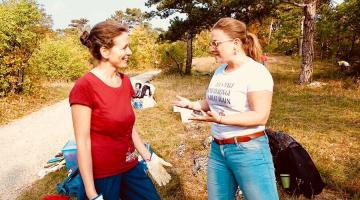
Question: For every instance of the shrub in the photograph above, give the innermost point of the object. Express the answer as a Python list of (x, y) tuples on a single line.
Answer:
[(143, 46), (60, 58), (22, 26), (172, 55), (201, 44)]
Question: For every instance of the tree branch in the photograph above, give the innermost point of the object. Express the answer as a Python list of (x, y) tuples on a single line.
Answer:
[(294, 3)]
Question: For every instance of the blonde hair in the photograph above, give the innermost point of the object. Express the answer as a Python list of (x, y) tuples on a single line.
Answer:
[(237, 29)]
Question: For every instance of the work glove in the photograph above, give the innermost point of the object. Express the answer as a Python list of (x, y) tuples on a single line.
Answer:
[(157, 170)]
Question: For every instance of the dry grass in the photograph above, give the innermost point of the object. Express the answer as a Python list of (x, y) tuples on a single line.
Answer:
[(15, 106), (45, 186), (324, 120)]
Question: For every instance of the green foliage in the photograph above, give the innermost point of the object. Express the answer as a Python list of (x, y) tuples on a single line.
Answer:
[(286, 29), (21, 28), (143, 46), (325, 30), (132, 17), (172, 55), (59, 58), (337, 32), (203, 14), (148, 53), (79, 25), (347, 19), (201, 44), (350, 11)]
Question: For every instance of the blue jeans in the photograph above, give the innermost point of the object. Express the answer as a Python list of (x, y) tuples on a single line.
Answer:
[(134, 184), (248, 165)]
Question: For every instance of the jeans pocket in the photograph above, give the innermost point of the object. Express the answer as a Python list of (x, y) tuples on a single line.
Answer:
[(250, 145), (252, 150)]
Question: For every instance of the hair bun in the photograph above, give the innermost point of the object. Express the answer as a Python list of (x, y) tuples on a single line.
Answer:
[(84, 39)]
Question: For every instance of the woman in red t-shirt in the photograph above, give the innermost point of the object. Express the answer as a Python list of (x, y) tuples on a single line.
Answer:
[(103, 120)]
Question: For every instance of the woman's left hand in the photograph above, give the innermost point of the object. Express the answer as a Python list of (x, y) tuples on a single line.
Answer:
[(208, 116), (157, 170)]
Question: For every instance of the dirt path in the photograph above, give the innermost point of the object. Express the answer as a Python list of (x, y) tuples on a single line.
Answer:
[(26, 144)]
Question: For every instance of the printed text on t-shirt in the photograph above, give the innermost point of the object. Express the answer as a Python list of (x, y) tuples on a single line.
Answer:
[(220, 92)]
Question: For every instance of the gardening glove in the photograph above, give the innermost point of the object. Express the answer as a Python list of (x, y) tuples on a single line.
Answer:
[(157, 170)]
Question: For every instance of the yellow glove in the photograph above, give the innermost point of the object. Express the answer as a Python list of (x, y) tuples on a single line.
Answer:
[(157, 170)]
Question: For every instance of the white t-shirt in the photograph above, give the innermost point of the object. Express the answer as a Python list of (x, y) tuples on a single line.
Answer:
[(227, 95)]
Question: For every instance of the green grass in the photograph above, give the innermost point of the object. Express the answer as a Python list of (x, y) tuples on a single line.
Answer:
[(326, 121)]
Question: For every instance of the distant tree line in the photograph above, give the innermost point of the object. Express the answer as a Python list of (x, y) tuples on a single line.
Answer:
[(32, 53), (309, 28)]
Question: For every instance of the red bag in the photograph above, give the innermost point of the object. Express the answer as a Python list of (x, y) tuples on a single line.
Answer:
[(55, 197)]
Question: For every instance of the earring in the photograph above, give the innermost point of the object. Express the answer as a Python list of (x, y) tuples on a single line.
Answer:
[(236, 51)]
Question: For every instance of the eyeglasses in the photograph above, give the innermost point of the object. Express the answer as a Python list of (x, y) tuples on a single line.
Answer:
[(217, 43)]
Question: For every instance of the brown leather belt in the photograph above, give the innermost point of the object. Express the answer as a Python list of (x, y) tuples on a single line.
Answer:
[(244, 138)]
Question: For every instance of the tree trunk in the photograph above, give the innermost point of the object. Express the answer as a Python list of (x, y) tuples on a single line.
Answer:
[(322, 50), (337, 54), (352, 46), (308, 42), (301, 35), (188, 55), (178, 65), (270, 30)]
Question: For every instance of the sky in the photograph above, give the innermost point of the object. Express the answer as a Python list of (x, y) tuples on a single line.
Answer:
[(63, 11)]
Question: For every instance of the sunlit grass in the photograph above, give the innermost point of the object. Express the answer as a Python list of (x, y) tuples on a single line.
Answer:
[(45, 186), (326, 121), (15, 106)]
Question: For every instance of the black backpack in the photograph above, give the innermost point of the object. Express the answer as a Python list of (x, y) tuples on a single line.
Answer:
[(291, 158)]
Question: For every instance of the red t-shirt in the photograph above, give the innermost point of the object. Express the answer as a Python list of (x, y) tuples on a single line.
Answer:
[(112, 120)]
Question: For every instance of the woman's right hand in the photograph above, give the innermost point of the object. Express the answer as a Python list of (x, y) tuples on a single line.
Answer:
[(182, 102)]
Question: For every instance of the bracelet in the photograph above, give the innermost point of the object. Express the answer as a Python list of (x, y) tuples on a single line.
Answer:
[(99, 197)]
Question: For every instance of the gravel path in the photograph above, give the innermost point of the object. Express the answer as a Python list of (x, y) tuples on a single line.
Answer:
[(26, 145), (146, 76)]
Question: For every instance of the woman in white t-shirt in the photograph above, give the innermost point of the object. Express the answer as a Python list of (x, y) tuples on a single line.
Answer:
[(238, 103)]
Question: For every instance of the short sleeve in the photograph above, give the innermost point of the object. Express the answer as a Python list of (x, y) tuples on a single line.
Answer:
[(81, 94), (132, 92), (129, 84), (260, 79)]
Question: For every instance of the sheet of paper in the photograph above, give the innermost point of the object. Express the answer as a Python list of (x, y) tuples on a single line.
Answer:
[(184, 113)]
